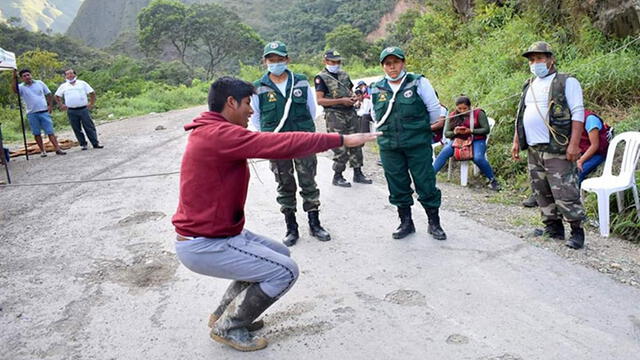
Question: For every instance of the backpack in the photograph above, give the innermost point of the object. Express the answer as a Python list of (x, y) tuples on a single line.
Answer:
[(605, 134)]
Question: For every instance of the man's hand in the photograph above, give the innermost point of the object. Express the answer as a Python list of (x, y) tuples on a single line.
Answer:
[(579, 164), (49, 109), (90, 106), (354, 140), (573, 152), (515, 151), (63, 107), (348, 101)]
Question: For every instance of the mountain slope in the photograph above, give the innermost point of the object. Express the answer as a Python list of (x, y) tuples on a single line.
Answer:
[(41, 15)]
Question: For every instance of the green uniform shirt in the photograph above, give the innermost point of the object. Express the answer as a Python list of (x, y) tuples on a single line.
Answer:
[(272, 104)]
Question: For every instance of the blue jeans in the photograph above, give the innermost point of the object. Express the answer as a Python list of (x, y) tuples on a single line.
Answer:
[(479, 150), (589, 165)]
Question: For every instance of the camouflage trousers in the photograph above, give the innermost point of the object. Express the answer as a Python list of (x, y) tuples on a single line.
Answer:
[(344, 122), (306, 170), (554, 181)]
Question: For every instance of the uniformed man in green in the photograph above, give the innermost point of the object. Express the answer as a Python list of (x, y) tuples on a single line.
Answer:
[(285, 102), (404, 106), (333, 90)]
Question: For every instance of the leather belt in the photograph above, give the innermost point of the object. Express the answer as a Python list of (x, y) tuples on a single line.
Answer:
[(77, 108), (182, 238)]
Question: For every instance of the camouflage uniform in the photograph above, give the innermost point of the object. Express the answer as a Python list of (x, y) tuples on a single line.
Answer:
[(342, 120), (554, 181), (306, 170), (272, 104)]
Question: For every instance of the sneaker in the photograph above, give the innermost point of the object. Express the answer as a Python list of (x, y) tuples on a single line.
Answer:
[(98, 146), (60, 152), (494, 185), (43, 154), (84, 147)]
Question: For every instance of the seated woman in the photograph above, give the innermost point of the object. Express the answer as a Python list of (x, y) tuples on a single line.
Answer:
[(458, 125), (593, 150)]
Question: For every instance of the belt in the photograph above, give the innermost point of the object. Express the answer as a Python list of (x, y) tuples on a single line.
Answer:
[(182, 238), (78, 108), (40, 112)]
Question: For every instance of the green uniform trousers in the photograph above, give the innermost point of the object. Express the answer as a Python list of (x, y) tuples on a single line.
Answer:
[(306, 170), (403, 164)]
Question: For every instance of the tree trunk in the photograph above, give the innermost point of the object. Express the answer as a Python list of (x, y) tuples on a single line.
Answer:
[(464, 8)]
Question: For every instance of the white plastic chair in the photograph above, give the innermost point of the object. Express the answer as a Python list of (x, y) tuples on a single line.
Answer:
[(464, 165), (608, 183)]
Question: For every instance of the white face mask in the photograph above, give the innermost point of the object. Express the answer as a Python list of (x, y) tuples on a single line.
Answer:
[(539, 69), (333, 68), (72, 80), (400, 76)]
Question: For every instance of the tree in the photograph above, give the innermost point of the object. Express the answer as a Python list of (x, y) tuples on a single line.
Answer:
[(347, 40), (222, 36), (43, 64), (166, 21)]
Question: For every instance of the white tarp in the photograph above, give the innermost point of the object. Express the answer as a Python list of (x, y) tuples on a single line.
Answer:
[(7, 60)]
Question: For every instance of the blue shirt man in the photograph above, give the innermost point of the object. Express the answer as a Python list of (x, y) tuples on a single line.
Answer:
[(38, 98)]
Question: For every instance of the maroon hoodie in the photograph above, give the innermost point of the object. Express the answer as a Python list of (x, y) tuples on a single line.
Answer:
[(214, 176)]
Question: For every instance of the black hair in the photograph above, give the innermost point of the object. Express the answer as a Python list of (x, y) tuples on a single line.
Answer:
[(463, 99), (73, 71), (24, 71), (227, 86)]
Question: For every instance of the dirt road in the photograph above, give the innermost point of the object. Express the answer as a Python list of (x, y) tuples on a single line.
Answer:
[(88, 271)]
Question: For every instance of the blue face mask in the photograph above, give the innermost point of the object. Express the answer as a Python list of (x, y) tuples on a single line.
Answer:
[(400, 76), (277, 68), (333, 68), (539, 69)]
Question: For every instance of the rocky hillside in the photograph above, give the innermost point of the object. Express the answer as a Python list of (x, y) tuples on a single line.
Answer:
[(42, 15), (99, 23)]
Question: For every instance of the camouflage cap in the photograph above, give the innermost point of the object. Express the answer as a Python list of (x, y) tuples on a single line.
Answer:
[(392, 50), (275, 47), (538, 47), (332, 55)]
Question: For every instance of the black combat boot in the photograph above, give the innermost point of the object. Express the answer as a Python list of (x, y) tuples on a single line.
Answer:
[(494, 185), (235, 288), (576, 241), (339, 180), (434, 224), (316, 229), (406, 226), (530, 201), (292, 235), (358, 177), (231, 327), (553, 229)]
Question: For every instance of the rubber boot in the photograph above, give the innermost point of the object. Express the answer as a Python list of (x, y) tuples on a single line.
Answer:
[(406, 226), (434, 224), (576, 241), (231, 327), (530, 202), (358, 177), (339, 180), (292, 236), (235, 288), (316, 229), (553, 229)]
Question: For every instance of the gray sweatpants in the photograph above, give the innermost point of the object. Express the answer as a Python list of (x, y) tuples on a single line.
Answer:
[(245, 257)]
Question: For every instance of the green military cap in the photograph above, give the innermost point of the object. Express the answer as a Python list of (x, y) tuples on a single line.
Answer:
[(538, 47), (392, 50), (275, 47)]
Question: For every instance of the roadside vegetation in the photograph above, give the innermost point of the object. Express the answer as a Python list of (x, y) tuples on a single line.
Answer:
[(479, 57)]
